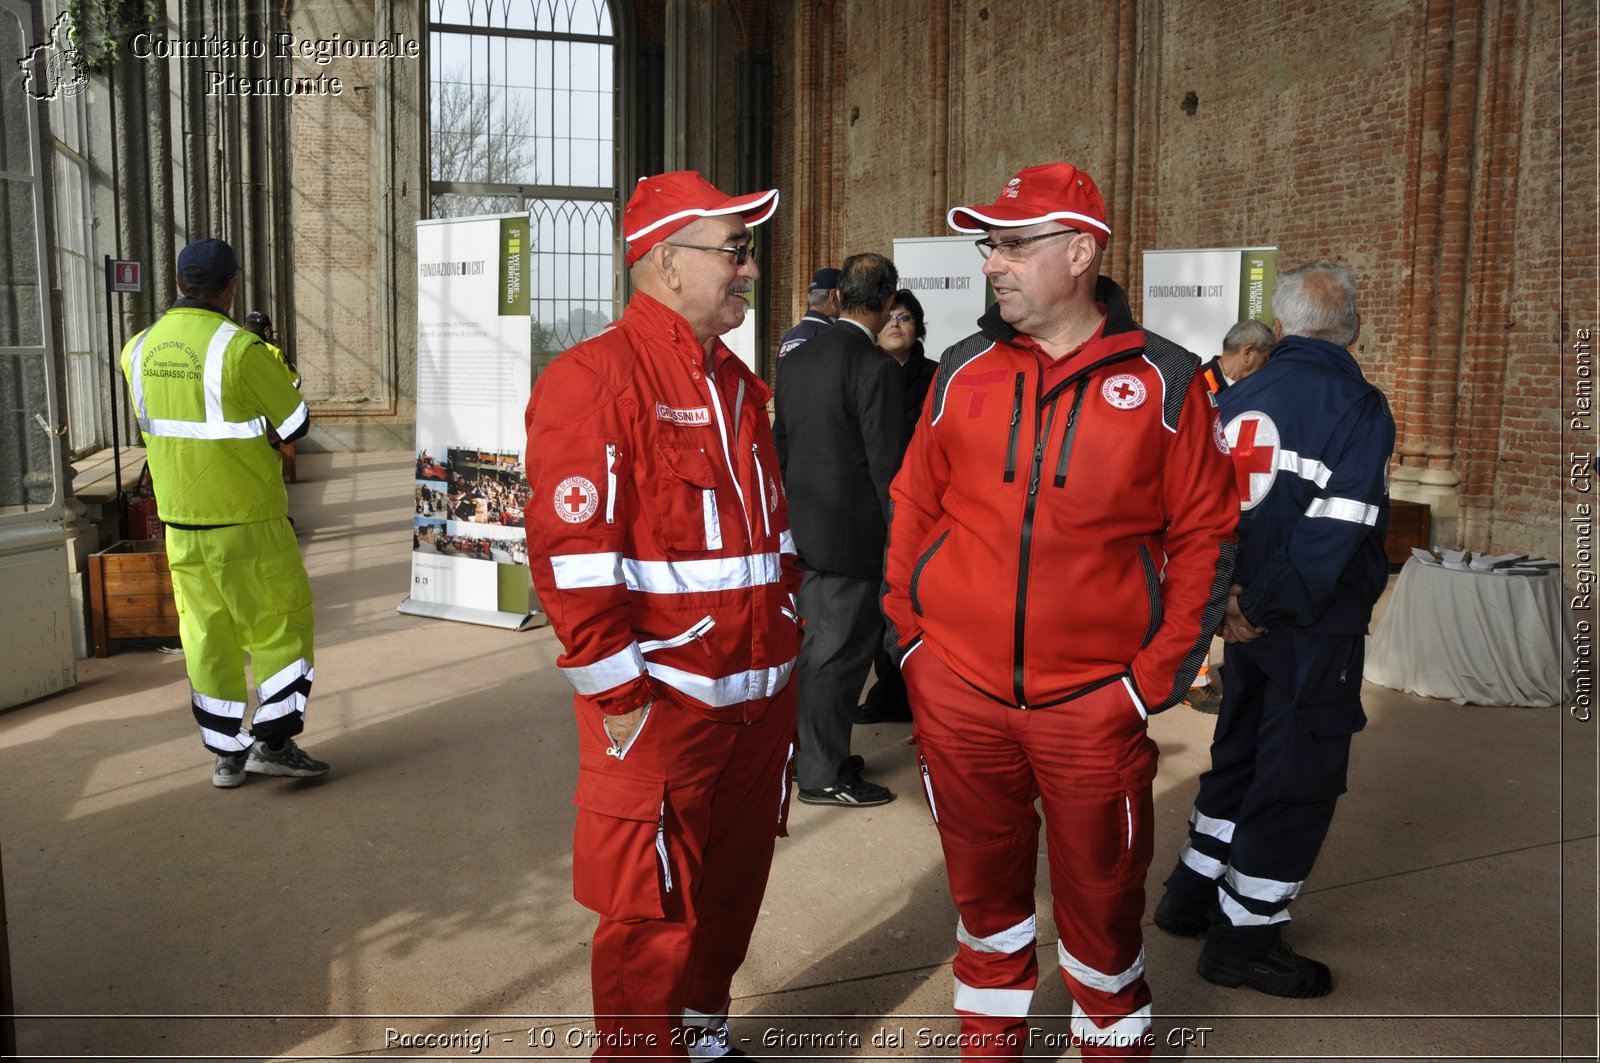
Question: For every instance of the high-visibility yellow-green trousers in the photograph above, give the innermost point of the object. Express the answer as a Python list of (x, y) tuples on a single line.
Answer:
[(242, 589)]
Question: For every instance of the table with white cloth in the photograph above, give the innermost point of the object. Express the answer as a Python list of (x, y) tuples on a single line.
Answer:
[(1475, 637)]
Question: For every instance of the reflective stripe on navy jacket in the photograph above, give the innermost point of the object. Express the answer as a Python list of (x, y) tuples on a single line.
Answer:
[(1310, 440)]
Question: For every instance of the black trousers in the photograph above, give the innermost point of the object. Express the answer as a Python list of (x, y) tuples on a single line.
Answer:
[(843, 627), (1278, 766)]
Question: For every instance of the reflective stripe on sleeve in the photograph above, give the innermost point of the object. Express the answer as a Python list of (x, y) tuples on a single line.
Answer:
[(291, 424), (624, 665), (722, 691), (1305, 468), (581, 571), (1343, 509)]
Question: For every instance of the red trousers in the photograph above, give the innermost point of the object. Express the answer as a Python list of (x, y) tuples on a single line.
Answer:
[(672, 848), (1090, 765)]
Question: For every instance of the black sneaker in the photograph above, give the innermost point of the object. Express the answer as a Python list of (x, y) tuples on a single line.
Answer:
[(850, 790), (1179, 919), (1280, 973), (868, 713), (291, 761)]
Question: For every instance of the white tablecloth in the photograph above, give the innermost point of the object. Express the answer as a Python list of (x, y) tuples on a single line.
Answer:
[(1473, 637)]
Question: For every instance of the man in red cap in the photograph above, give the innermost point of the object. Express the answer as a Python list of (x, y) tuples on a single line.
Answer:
[(1059, 556), (659, 543)]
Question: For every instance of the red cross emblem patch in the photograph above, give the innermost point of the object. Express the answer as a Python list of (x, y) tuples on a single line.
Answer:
[(1124, 391), (1253, 443), (576, 499)]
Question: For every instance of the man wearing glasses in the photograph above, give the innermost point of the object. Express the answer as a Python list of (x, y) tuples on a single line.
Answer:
[(1059, 556), (659, 543)]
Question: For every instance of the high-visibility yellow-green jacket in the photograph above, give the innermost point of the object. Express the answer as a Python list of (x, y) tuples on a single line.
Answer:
[(205, 392)]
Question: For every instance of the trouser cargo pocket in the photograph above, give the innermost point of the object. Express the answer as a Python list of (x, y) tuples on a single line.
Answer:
[(621, 865)]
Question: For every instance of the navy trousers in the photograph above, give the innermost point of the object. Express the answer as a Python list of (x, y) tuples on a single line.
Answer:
[(1278, 765)]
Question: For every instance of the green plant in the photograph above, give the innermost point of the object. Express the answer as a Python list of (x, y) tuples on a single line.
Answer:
[(99, 25)]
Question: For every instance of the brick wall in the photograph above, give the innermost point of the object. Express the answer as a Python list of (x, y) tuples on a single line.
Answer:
[(1420, 143)]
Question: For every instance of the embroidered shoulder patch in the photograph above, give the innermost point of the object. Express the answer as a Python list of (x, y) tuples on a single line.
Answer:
[(1124, 391), (576, 499)]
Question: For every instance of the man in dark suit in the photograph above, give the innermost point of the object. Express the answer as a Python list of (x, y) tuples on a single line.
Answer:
[(840, 430)]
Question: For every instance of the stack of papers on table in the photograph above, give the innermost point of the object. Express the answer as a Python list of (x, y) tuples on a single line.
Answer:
[(1427, 557), (1490, 562), (1460, 560), (1536, 567)]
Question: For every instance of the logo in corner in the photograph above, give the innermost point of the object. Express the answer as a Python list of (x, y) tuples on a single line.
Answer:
[(1124, 391), (56, 68), (576, 499)]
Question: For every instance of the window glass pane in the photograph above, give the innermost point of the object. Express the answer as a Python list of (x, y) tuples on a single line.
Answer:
[(573, 271), (21, 312), (27, 479), (13, 100)]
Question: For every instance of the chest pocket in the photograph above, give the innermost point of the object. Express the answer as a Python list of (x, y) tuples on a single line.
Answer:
[(688, 490)]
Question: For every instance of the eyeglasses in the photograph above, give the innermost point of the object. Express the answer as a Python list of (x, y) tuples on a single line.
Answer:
[(1016, 250), (900, 319), (741, 255)]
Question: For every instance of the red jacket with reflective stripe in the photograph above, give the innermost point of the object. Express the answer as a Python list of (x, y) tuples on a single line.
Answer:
[(658, 534), (1049, 535)]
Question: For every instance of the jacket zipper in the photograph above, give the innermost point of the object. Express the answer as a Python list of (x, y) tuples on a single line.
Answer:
[(661, 847), (1026, 549), (701, 628), (1016, 428), (1072, 430), (611, 483), (761, 488)]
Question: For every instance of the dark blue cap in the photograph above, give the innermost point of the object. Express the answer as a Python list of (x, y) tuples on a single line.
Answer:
[(824, 279), (214, 257)]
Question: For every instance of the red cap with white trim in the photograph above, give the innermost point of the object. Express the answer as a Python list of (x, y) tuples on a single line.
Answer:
[(1056, 192), (663, 204)]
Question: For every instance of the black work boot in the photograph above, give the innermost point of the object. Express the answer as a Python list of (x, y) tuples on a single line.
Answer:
[(1179, 918), (1280, 973)]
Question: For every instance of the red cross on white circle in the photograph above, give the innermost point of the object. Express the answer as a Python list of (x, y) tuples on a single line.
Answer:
[(1253, 443), (1124, 391), (576, 499)]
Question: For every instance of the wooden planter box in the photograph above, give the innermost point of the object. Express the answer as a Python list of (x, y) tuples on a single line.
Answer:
[(130, 593), (1410, 524)]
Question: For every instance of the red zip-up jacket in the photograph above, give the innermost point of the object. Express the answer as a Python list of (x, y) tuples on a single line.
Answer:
[(1048, 537), (658, 533)]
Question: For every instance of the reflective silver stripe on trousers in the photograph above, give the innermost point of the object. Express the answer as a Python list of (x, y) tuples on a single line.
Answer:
[(1009, 940), (1124, 1033), (1220, 829), (1007, 1003), (1106, 983), (1199, 862), (1268, 890), (1239, 915)]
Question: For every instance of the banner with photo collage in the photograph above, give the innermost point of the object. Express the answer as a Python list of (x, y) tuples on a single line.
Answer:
[(469, 555)]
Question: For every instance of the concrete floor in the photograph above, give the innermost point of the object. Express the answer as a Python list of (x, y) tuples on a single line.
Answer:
[(423, 886)]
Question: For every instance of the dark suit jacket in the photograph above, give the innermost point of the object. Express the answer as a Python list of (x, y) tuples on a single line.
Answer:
[(841, 431)]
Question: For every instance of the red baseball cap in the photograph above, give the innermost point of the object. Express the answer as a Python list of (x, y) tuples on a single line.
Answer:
[(663, 204), (1056, 192)]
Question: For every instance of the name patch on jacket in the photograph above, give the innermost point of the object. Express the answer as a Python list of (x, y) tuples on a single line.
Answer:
[(700, 415)]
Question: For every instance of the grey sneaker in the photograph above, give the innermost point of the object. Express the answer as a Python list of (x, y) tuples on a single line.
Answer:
[(290, 760), (229, 771)]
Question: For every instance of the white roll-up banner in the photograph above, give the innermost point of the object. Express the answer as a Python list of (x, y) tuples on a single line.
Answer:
[(1194, 297), (469, 554)]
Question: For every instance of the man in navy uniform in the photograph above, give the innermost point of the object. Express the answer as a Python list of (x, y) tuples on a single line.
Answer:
[(822, 310), (1310, 440)]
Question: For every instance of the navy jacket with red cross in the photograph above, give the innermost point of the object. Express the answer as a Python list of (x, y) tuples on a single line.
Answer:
[(658, 534), (1311, 440), (1048, 538)]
